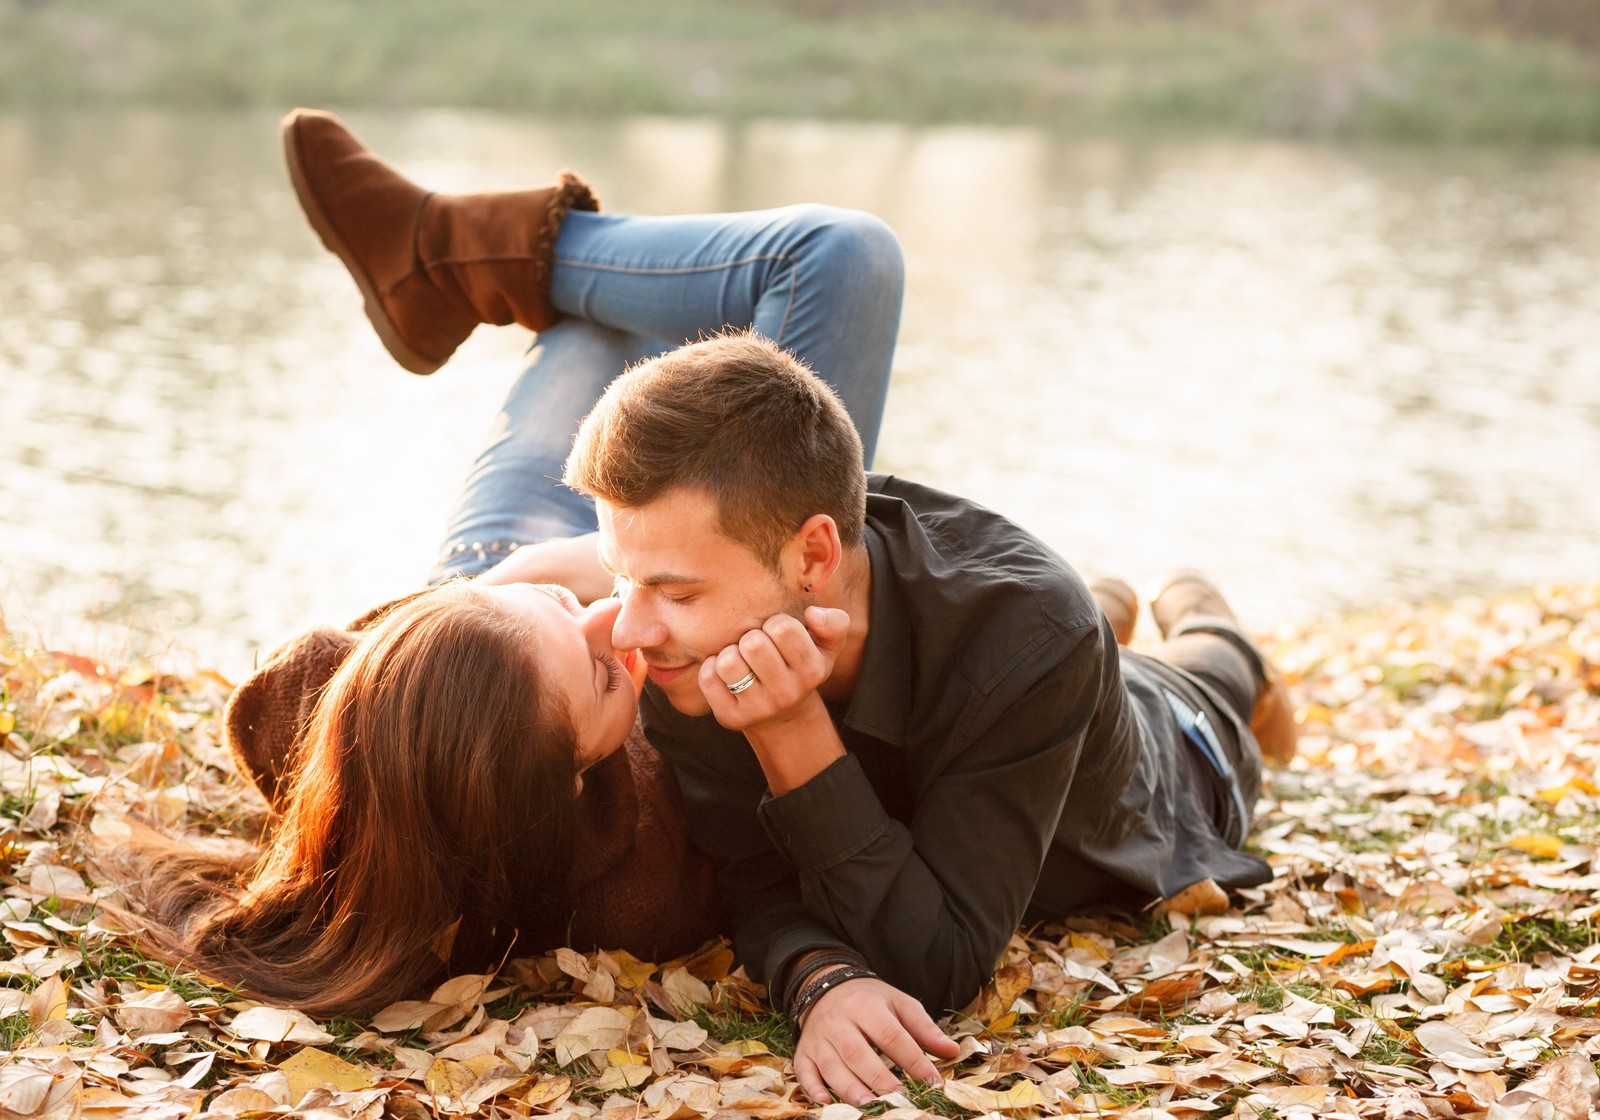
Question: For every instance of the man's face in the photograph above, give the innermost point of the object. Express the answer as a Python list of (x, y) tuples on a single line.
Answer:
[(686, 589)]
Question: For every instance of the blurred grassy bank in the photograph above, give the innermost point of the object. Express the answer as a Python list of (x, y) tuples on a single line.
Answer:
[(1526, 70)]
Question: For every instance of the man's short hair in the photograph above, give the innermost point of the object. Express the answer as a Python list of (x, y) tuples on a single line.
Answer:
[(738, 418)]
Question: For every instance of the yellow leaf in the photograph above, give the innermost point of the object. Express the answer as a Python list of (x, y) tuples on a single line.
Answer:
[(1005, 1022), (317, 1069), (976, 1098), (8, 723), (548, 1090), (1088, 944), (47, 1002), (1578, 785), (633, 972), (449, 1079), (482, 1065), (1537, 844), (745, 1047), (623, 1058)]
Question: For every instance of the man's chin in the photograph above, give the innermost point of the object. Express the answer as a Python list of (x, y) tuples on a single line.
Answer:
[(688, 699), (681, 687)]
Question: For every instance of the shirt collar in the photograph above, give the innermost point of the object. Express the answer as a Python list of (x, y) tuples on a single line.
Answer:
[(880, 705)]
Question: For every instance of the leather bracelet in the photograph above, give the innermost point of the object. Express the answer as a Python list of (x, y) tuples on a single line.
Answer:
[(808, 964), (823, 985)]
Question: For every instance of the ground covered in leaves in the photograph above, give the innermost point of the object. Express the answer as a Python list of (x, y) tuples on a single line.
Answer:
[(1427, 949)]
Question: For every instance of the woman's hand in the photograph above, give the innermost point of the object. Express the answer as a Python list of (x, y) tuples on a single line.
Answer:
[(572, 562), (849, 1031)]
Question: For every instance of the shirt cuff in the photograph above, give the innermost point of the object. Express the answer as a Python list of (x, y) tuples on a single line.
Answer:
[(826, 821)]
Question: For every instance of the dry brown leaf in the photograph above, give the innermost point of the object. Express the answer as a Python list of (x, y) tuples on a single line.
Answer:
[(1204, 897), (1004, 988), (154, 1012), (1163, 996), (1569, 1083), (1455, 1049), (406, 1015), (973, 1097), (278, 1025), (685, 990)]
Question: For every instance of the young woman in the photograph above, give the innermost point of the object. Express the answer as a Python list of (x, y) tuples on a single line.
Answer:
[(458, 775)]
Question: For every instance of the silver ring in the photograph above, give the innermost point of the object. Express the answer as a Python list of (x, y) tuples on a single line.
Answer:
[(742, 683)]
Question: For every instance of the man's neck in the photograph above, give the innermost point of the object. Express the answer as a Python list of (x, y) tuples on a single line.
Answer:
[(850, 591)]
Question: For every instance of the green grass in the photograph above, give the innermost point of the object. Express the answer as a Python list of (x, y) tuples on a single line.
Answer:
[(771, 1030), (1415, 71), (117, 963), (13, 1029), (1522, 940), (928, 1098)]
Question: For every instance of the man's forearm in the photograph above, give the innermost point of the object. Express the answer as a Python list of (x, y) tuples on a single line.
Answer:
[(794, 751)]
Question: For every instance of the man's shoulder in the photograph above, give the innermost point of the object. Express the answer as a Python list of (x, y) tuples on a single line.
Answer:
[(937, 542)]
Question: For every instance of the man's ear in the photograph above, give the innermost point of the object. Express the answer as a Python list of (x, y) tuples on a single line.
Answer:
[(814, 553)]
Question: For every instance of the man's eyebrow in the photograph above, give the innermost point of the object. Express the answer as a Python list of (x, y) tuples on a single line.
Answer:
[(663, 578), (648, 581)]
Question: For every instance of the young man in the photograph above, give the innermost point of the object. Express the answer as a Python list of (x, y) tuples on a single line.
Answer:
[(900, 722)]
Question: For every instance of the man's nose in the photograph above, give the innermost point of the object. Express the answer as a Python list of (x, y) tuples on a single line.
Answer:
[(635, 625)]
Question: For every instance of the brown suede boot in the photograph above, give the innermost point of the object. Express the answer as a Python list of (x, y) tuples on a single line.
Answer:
[(1189, 599), (430, 267), (1119, 603)]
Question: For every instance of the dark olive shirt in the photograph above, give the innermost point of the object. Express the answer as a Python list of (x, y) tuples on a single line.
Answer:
[(1003, 757)]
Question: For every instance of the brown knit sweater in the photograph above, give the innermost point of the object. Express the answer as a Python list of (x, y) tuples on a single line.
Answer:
[(635, 882)]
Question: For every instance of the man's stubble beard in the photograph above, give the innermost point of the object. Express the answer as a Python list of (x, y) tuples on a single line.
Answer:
[(694, 700)]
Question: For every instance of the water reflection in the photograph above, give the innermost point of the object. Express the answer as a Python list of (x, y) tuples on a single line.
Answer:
[(1328, 376)]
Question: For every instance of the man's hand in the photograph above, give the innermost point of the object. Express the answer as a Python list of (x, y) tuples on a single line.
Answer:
[(846, 1031), (784, 660), (776, 670)]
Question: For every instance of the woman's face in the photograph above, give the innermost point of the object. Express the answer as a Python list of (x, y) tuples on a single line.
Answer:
[(599, 686)]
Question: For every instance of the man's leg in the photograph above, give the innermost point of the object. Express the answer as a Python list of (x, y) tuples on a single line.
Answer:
[(822, 282), (1204, 638)]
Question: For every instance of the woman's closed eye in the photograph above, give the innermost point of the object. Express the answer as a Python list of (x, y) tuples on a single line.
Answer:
[(615, 673)]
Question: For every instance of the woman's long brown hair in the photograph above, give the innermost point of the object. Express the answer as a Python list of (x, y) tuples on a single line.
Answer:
[(434, 785)]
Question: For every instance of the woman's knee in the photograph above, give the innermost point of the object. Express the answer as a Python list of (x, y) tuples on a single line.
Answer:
[(851, 244)]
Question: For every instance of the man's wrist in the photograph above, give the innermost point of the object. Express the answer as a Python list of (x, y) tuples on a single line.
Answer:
[(796, 748), (808, 964), (819, 984)]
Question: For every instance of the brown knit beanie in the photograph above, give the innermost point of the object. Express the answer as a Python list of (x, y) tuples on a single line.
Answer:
[(267, 714)]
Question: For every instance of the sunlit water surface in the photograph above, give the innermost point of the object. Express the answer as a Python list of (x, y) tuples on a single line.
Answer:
[(1329, 377)]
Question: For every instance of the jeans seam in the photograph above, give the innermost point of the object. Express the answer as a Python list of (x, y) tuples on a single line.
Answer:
[(788, 306), (567, 262)]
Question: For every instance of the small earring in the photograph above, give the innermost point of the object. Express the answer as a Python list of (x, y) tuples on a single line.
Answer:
[(808, 589)]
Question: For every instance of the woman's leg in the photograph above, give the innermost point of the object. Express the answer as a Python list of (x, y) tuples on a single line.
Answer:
[(822, 282), (514, 494)]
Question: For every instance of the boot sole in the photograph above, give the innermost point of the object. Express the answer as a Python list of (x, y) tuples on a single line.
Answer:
[(388, 334)]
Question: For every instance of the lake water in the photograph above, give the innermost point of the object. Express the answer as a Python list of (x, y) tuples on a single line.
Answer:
[(1330, 377)]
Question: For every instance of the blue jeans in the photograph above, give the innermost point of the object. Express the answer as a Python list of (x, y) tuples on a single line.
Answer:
[(821, 282)]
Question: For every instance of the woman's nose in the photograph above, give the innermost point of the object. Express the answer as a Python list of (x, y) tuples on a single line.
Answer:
[(599, 619)]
